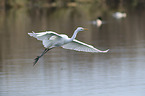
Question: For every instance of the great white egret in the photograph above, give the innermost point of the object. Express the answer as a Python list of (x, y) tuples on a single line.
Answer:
[(51, 40), (119, 15)]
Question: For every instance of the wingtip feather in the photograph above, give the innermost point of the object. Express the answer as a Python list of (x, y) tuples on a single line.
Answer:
[(105, 51), (32, 34)]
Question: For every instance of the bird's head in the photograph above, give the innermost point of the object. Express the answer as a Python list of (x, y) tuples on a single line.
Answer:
[(81, 29), (99, 18)]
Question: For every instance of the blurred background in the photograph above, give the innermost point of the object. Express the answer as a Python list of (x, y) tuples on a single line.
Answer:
[(61, 72)]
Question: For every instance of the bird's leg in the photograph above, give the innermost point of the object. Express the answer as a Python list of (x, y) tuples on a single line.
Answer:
[(37, 58)]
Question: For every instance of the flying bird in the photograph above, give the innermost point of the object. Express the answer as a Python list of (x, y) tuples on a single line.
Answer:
[(52, 39)]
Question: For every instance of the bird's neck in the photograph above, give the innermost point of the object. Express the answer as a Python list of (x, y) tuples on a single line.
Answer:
[(74, 35)]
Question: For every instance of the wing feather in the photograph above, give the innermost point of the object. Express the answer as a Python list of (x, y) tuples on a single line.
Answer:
[(43, 35), (80, 46)]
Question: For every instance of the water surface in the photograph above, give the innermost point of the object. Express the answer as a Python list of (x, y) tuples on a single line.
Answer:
[(120, 72)]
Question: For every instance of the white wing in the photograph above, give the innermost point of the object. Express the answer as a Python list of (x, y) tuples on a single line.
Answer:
[(43, 35), (80, 46)]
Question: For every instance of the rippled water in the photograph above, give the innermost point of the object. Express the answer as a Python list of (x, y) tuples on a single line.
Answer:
[(120, 72)]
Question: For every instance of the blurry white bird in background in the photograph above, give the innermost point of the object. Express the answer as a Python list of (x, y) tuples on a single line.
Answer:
[(98, 22), (119, 15), (51, 40)]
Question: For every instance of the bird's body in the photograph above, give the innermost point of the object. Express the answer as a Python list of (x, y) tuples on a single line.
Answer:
[(119, 15), (98, 22), (56, 41), (51, 40)]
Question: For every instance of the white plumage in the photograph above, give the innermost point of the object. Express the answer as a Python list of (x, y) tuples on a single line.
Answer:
[(119, 15), (51, 40), (80, 46)]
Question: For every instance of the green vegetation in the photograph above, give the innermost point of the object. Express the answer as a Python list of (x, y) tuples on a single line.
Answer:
[(6, 4)]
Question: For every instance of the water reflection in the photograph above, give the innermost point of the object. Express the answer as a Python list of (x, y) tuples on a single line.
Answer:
[(63, 72)]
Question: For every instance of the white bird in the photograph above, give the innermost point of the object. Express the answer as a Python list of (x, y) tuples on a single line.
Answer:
[(51, 40), (98, 22), (119, 15)]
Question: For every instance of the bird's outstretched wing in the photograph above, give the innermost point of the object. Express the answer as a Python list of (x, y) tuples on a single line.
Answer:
[(43, 35), (80, 46)]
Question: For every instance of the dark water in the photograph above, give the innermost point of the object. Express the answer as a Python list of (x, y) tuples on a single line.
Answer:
[(120, 72)]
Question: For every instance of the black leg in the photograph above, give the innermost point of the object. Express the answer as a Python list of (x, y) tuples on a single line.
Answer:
[(37, 58)]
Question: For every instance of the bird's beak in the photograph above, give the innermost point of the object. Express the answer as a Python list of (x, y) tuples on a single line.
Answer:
[(85, 29)]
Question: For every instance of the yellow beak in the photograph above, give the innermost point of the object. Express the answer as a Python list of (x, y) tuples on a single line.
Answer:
[(85, 29)]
